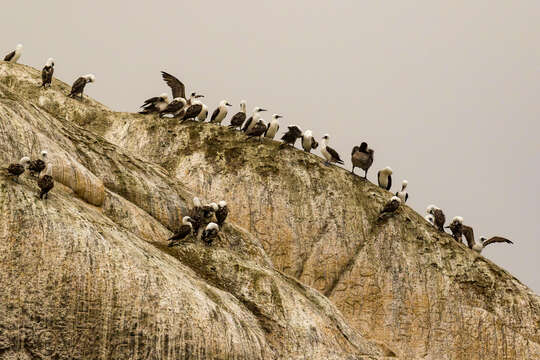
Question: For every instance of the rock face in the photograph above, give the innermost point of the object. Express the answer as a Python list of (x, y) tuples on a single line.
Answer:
[(397, 282), (87, 274)]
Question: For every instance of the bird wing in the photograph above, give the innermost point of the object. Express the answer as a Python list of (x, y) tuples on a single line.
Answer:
[(389, 186), (9, 56), (178, 89), (193, 111), (440, 219), (314, 144), (334, 154), (150, 101), (78, 85), (468, 232), (406, 197), (214, 115), (363, 147), (238, 118), (496, 239), (248, 122)]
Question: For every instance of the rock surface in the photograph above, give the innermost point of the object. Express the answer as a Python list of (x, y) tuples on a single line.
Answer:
[(81, 281), (397, 282)]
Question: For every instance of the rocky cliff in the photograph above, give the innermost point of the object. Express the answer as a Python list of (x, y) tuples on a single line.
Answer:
[(88, 275)]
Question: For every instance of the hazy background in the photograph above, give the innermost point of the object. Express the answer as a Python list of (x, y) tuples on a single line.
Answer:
[(445, 92)]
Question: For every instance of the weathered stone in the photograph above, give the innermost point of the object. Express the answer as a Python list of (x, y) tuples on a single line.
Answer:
[(81, 281)]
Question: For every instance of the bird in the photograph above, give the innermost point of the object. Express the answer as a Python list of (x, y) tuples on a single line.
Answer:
[(208, 212), (193, 110), (252, 120), (456, 227), (238, 119), (430, 219), (290, 136), (174, 108), (37, 166), (439, 216), (485, 242), (330, 155), (196, 214), (384, 178), (403, 194), (156, 104), (46, 182), (18, 168), (210, 232), (390, 207), (78, 86), (14, 56), (362, 157), (308, 141), (203, 114), (273, 127), (47, 73), (257, 130), (220, 113), (222, 212), (185, 230)]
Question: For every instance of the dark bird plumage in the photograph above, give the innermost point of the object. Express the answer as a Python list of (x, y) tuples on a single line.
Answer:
[(183, 232), (78, 86), (289, 138), (177, 87), (257, 130), (362, 157), (440, 218), (456, 227), (47, 73), (46, 182), (237, 120), (210, 233), (9, 56), (468, 232), (192, 111), (390, 207), (221, 213), (174, 108)]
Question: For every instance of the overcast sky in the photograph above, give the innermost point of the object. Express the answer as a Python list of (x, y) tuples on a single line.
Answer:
[(445, 92)]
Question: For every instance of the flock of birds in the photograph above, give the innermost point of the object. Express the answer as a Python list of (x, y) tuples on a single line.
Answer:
[(192, 109)]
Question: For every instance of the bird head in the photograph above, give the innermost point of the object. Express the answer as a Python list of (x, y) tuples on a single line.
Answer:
[(186, 220), (19, 47), (197, 202), (258, 109), (307, 133), (363, 146), (50, 62), (90, 78), (25, 160), (430, 209), (404, 184), (371, 152), (395, 199), (482, 239), (214, 206), (212, 226), (44, 153), (222, 204), (430, 218), (387, 170), (276, 116), (457, 220)]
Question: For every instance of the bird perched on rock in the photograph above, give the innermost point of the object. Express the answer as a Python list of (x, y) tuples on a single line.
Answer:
[(439, 216), (308, 141), (238, 119), (174, 108), (222, 212), (390, 207), (38, 165), (185, 230), (478, 247), (46, 182), (155, 104), (14, 56), (430, 219), (220, 113), (78, 86), (193, 110), (210, 233), (273, 127), (257, 130), (47, 73), (456, 227), (330, 155), (289, 138), (403, 194), (362, 157), (17, 169), (253, 119), (384, 178), (208, 211), (196, 215)]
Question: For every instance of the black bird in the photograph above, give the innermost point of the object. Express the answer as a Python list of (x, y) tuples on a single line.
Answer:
[(18, 169), (185, 230), (289, 138), (193, 110), (210, 233), (456, 227), (46, 182), (222, 212), (38, 165), (78, 86), (440, 218), (197, 215), (47, 73), (238, 119), (174, 108)]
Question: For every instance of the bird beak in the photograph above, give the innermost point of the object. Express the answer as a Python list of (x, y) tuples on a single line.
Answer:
[(262, 110), (228, 104), (198, 96), (278, 116)]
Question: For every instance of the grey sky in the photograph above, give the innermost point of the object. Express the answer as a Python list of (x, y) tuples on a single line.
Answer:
[(445, 92)]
